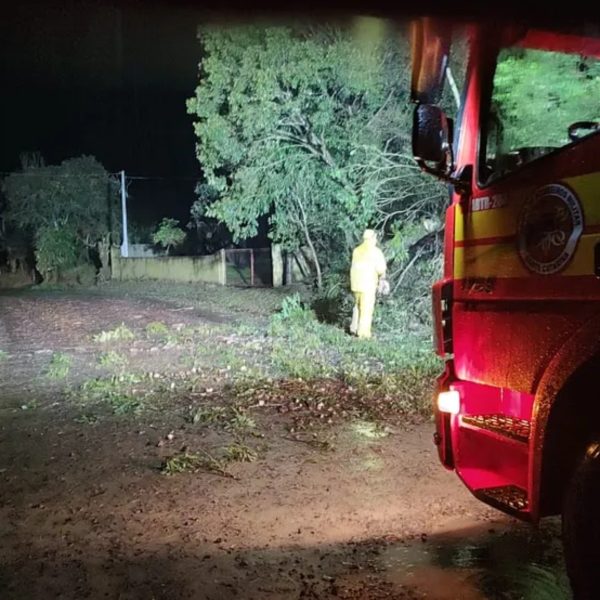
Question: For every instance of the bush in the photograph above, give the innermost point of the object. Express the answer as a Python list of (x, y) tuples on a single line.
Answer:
[(168, 235), (333, 303), (56, 250), (294, 315), (399, 361)]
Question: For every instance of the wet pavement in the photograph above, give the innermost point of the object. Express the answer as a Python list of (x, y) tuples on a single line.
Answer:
[(516, 562)]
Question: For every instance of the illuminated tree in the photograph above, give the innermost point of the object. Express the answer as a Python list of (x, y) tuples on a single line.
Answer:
[(310, 127), (68, 209), (168, 235)]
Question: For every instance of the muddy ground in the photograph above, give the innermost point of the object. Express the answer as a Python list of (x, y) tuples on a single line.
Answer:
[(87, 510)]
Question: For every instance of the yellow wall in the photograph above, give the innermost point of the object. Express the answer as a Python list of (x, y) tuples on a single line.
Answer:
[(206, 269)]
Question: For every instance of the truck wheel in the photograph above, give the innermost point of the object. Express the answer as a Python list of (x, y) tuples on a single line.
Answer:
[(581, 527)]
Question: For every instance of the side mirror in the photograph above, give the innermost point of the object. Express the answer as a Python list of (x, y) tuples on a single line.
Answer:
[(431, 139)]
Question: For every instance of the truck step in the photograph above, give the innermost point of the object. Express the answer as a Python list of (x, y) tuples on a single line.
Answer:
[(509, 498), (511, 427)]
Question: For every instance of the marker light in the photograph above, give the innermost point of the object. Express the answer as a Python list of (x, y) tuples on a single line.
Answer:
[(449, 402)]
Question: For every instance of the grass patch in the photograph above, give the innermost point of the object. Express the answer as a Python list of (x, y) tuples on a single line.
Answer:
[(304, 348), (87, 419), (210, 297), (112, 359), (238, 452), (182, 463), (231, 419), (118, 334), (206, 415), (240, 421), (3, 355), (398, 365), (125, 404), (156, 329), (114, 391), (189, 462), (59, 366)]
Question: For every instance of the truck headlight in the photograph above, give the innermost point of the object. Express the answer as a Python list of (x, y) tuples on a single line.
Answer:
[(449, 402)]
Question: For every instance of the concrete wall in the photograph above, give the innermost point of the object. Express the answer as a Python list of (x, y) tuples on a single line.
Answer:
[(207, 269)]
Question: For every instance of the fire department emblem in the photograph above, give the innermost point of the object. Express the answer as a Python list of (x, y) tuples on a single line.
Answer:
[(549, 228)]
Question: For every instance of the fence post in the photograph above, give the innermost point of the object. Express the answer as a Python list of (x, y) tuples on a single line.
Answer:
[(277, 265), (252, 267), (289, 270), (223, 267)]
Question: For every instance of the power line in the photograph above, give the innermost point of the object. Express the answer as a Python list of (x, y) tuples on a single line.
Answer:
[(150, 177), (55, 175), (117, 174)]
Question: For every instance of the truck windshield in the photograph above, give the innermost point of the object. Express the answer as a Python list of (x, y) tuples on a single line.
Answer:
[(541, 101)]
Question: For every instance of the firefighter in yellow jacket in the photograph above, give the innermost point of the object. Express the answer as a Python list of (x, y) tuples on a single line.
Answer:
[(366, 274)]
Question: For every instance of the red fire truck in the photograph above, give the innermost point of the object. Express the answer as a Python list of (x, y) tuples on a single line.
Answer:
[(517, 312)]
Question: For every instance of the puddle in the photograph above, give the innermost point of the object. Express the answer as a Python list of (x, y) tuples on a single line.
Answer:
[(512, 563)]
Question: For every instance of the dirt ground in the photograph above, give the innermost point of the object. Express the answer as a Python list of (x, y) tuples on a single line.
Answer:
[(85, 511)]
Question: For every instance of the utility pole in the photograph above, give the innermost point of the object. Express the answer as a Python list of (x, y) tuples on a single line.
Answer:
[(125, 244)]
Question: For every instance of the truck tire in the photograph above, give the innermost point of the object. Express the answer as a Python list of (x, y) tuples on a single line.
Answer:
[(581, 527)]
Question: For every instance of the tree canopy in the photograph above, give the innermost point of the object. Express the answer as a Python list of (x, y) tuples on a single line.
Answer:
[(538, 94), (66, 209), (310, 128), (77, 193)]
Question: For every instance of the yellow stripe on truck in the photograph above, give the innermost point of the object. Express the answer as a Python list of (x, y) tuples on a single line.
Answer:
[(502, 260), (486, 243)]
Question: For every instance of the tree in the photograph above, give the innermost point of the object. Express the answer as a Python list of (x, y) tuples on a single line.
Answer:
[(68, 209), (310, 127), (210, 233), (530, 85), (168, 235)]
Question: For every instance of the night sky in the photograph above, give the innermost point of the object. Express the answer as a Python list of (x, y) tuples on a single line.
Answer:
[(110, 81)]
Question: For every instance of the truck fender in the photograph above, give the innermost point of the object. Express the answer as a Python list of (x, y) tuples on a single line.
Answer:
[(579, 349)]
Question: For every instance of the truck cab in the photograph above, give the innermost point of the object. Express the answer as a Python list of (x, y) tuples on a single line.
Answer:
[(517, 311)]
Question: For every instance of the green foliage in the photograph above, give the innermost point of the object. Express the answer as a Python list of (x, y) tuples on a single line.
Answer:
[(293, 312), (185, 462), (238, 452), (205, 415), (240, 421), (67, 208), (113, 391), (168, 235), (308, 126), (3, 355), (531, 85), (189, 462), (57, 249), (59, 366), (157, 329), (118, 334), (53, 196), (87, 419), (112, 359), (399, 361)]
